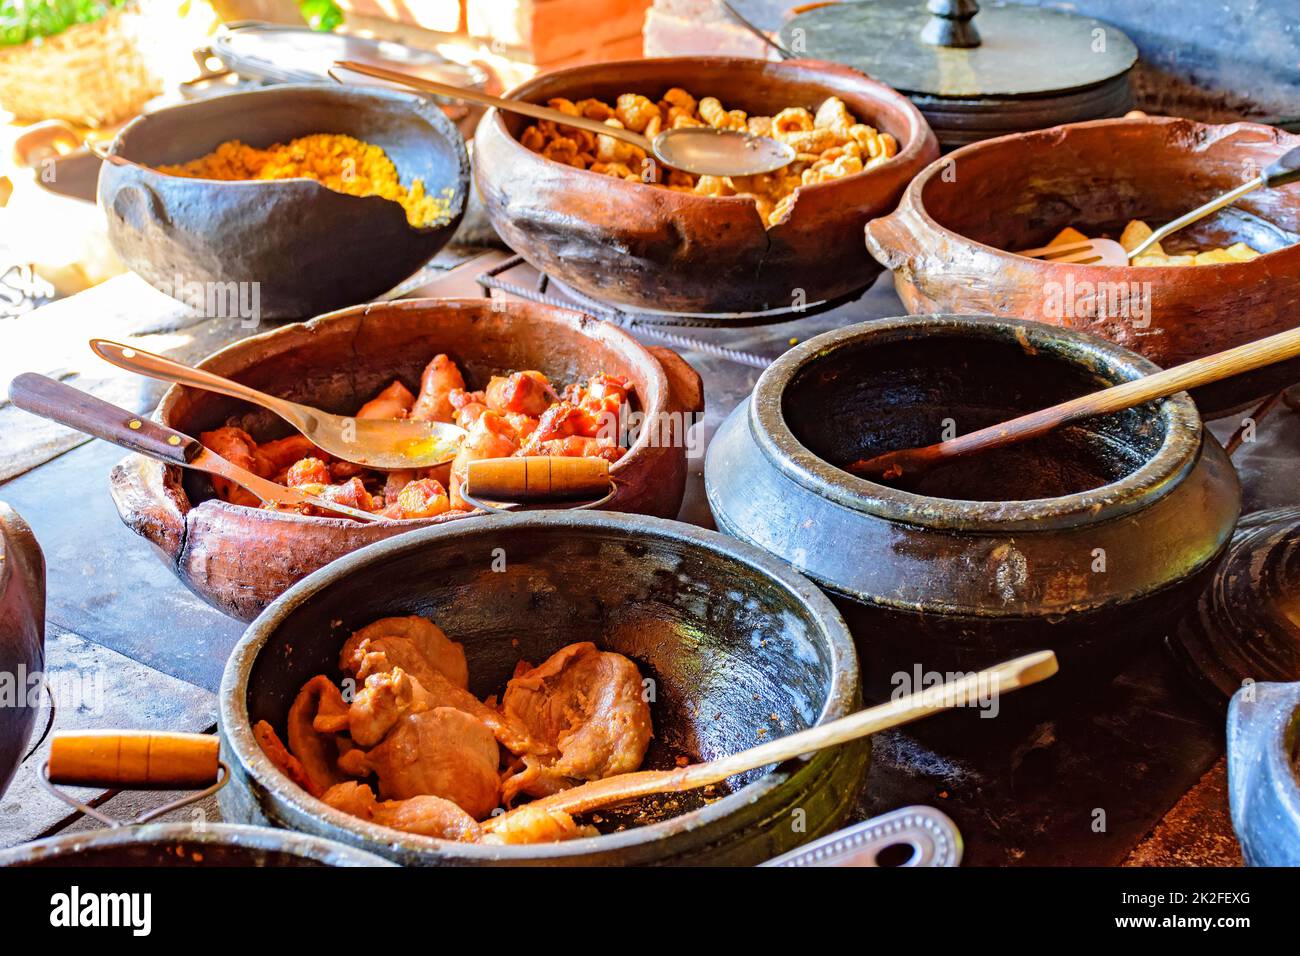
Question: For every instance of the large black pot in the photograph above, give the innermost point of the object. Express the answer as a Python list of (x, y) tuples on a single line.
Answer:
[(183, 844), (309, 249), (730, 637), (1086, 541), (22, 637), (1264, 772)]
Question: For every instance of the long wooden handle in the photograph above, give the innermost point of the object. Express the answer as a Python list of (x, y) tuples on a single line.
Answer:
[(135, 759), (487, 99), (538, 478), (77, 409), (977, 687), (1202, 371)]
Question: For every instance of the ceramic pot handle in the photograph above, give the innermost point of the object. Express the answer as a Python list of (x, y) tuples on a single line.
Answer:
[(134, 759), (888, 239)]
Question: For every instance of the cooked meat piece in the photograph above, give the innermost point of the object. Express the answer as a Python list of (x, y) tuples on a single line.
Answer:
[(279, 755), (423, 498), (526, 392), (434, 404), (384, 699), (444, 752), (491, 436), (424, 815), (394, 482), (395, 401), (307, 471), (585, 710), (413, 643), (439, 692), (237, 447), (273, 457), (314, 748), (530, 824)]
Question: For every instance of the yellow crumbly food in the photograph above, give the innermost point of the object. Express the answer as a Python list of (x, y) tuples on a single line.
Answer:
[(1137, 231), (341, 163), (829, 144)]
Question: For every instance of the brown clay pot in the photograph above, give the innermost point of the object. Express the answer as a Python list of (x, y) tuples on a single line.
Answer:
[(22, 635), (946, 243), (655, 250), (239, 559)]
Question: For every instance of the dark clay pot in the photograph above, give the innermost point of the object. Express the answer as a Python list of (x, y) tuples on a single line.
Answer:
[(995, 555), (729, 635), (181, 844), (1264, 772), (22, 635), (310, 249)]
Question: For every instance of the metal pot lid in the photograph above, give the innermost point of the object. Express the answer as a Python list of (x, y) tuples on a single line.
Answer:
[(1021, 51), (1246, 625), (288, 54)]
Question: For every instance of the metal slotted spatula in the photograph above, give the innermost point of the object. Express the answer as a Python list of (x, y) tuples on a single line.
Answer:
[(381, 443), (1108, 252)]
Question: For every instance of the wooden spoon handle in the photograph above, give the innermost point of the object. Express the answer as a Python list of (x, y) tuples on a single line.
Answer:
[(1003, 678), (135, 759), (487, 99), (1202, 371), (94, 416)]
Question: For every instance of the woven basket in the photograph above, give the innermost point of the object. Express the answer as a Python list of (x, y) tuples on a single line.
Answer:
[(92, 74)]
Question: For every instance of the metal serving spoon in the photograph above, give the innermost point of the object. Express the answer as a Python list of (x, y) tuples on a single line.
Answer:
[(381, 443), (693, 149), (94, 416), (1108, 252)]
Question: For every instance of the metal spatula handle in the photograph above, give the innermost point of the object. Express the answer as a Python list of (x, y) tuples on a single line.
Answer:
[(1285, 170), (930, 835)]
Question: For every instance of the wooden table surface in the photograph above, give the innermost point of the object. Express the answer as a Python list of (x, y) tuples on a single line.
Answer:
[(1132, 774)]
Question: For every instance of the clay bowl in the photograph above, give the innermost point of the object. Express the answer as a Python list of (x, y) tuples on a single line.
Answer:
[(308, 248), (653, 250), (180, 844), (22, 634), (728, 634), (946, 243), (239, 559), (1264, 772), (1085, 541)]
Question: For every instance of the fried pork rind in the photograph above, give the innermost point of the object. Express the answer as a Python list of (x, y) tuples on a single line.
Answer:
[(829, 144), (1137, 231)]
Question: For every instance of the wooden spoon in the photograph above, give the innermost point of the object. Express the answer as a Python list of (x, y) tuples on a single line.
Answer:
[(1001, 679), (695, 149), (1202, 371)]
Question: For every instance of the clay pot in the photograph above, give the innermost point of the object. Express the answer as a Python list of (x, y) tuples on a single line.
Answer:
[(239, 559), (1085, 541), (654, 250), (180, 844), (946, 243), (1264, 772), (729, 635), (22, 636), (309, 249)]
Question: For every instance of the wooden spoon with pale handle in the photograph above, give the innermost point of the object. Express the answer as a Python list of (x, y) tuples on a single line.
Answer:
[(1202, 371), (1001, 679)]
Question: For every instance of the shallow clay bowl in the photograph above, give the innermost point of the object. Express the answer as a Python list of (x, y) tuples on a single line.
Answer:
[(308, 248), (180, 844), (239, 559), (22, 633), (738, 647), (946, 243), (650, 249), (1087, 541)]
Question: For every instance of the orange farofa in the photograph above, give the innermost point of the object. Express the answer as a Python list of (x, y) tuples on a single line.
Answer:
[(341, 163)]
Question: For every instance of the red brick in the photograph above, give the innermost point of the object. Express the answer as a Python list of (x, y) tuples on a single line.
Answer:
[(551, 30), (444, 16)]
